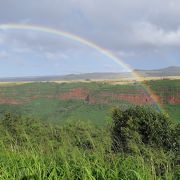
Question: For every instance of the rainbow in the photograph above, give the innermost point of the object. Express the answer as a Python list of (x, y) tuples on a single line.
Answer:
[(88, 43)]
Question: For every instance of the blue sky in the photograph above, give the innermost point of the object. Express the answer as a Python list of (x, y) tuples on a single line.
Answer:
[(144, 34), (47, 54)]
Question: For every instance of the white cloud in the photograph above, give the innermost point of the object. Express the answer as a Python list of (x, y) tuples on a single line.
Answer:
[(131, 29), (148, 33)]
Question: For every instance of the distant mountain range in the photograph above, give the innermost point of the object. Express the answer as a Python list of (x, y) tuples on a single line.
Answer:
[(169, 71)]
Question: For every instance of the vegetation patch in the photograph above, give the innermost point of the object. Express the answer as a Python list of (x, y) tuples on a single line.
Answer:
[(138, 144)]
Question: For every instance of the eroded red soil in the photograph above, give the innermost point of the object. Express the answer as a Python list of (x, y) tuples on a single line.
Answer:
[(77, 93), (131, 98), (138, 97)]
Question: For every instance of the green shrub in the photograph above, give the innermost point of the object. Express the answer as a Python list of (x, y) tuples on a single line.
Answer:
[(140, 125)]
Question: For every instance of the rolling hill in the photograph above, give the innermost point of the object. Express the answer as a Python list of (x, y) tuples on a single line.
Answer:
[(91, 101), (169, 71)]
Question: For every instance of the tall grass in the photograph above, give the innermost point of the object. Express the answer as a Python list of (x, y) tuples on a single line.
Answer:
[(75, 151)]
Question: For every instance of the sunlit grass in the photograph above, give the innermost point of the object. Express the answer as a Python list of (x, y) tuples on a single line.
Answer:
[(76, 151)]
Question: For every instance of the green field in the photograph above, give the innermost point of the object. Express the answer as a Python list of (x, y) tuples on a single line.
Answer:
[(67, 101), (70, 131)]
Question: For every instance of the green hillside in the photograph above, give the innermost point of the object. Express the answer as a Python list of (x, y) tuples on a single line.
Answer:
[(85, 101)]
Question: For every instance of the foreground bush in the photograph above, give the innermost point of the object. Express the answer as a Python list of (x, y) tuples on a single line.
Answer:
[(146, 132)]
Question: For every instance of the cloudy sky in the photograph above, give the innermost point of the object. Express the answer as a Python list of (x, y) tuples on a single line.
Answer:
[(144, 34)]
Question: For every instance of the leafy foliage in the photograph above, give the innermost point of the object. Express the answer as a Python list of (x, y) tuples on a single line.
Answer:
[(142, 125), (146, 132)]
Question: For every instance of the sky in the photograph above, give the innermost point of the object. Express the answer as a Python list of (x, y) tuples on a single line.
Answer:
[(143, 34)]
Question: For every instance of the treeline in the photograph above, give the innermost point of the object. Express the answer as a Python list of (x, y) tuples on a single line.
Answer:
[(139, 143)]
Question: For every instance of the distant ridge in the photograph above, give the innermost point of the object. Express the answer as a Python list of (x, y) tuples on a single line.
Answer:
[(70, 77), (169, 71)]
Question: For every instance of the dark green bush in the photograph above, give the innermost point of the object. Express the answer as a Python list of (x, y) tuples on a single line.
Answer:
[(145, 132), (141, 126)]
